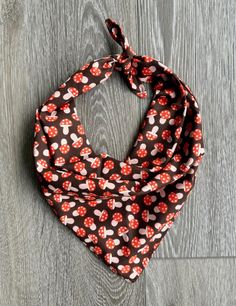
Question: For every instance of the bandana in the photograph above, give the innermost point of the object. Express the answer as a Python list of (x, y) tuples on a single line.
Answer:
[(120, 209)]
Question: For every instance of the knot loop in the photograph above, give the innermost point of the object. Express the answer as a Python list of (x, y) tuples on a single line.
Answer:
[(127, 61), (117, 34)]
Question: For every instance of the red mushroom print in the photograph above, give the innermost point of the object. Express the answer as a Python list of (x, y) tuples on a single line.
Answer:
[(159, 147), (145, 249), (115, 177), (120, 209), (65, 206), (124, 269), (125, 169), (65, 108), (108, 165), (77, 141), (110, 244), (111, 204), (173, 198), (97, 250), (103, 184), (196, 134), (124, 251), (67, 185), (151, 186), (53, 147), (161, 207), (110, 259), (95, 71), (86, 88), (177, 158), (85, 152), (146, 216), (152, 135), (165, 177), (134, 259), (198, 119), (64, 148), (148, 231), (80, 211), (148, 59), (122, 231), (52, 117), (65, 220), (166, 135), (35, 149), (93, 203), (41, 164), (136, 272), (162, 100), (80, 78), (148, 70), (116, 218), (147, 200), (89, 222), (80, 129), (196, 149), (165, 115), (65, 124), (51, 131), (124, 190), (134, 208), (50, 177), (80, 167), (133, 223), (60, 161), (103, 215), (142, 152), (57, 198), (145, 262), (103, 232), (50, 107), (136, 242), (170, 92), (92, 238), (178, 132), (151, 114), (72, 92), (95, 163), (170, 216), (186, 186), (80, 232), (88, 185)]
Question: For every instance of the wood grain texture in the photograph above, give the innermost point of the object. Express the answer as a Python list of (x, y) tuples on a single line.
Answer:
[(44, 42), (197, 40), (184, 282)]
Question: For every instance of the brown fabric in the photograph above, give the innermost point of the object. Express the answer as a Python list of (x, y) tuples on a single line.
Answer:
[(120, 209)]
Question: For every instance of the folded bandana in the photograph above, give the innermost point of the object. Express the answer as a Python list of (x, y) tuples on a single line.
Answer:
[(120, 209)]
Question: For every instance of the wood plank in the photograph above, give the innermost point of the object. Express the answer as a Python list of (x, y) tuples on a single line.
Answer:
[(192, 281), (42, 43), (197, 40)]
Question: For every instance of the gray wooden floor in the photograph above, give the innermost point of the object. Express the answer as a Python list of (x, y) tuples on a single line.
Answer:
[(42, 43)]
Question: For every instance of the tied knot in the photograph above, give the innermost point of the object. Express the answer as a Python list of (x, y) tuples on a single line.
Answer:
[(126, 62)]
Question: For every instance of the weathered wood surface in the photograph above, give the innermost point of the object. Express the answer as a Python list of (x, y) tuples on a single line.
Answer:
[(184, 282), (41, 44)]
